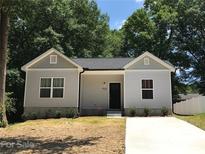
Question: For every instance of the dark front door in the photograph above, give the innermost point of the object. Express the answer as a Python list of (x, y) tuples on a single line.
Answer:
[(115, 96)]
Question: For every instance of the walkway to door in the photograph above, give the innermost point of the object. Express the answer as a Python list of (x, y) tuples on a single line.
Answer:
[(160, 135)]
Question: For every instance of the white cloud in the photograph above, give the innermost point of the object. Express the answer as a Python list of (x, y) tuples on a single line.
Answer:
[(138, 1)]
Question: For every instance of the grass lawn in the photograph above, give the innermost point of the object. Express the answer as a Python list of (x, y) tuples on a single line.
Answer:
[(197, 120), (93, 135)]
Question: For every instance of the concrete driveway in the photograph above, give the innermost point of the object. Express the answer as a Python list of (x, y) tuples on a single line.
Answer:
[(160, 135)]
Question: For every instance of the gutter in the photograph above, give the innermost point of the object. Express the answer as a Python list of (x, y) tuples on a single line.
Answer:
[(79, 93)]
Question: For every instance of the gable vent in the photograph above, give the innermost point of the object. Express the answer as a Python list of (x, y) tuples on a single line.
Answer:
[(146, 61), (53, 59)]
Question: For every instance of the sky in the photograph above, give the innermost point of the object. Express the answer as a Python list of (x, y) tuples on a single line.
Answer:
[(119, 10)]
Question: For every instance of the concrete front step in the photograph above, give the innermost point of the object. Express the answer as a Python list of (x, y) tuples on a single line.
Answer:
[(114, 113)]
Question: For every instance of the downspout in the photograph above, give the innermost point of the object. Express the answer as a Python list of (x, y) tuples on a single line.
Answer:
[(79, 93)]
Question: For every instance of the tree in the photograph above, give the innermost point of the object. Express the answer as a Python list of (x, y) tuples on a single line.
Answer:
[(114, 43), (4, 28), (190, 38), (139, 33), (74, 27)]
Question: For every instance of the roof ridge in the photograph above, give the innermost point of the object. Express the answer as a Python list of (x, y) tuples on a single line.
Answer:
[(105, 58)]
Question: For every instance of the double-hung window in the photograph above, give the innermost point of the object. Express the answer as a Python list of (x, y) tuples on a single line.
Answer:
[(52, 87), (147, 89)]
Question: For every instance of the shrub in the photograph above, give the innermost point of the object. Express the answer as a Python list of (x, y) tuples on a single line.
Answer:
[(72, 113), (2, 124), (10, 104), (48, 114), (164, 111), (146, 112), (33, 116), (132, 112), (57, 114), (24, 117)]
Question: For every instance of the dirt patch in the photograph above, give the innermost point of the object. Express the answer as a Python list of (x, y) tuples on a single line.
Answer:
[(93, 135)]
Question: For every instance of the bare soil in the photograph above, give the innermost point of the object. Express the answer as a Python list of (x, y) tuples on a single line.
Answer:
[(93, 135)]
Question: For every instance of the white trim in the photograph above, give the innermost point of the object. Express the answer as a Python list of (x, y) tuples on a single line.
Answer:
[(147, 89), (147, 70), (53, 69), (171, 68), (25, 88), (109, 93), (52, 50), (112, 72), (51, 92), (56, 59)]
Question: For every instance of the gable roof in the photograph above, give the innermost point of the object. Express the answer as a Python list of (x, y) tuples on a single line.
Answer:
[(102, 63), (148, 54), (52, 50)]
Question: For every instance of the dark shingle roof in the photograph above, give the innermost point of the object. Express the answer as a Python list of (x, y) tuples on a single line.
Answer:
[(102, 63)]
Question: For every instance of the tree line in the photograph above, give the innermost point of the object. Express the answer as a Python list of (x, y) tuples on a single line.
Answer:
[(173, 30)]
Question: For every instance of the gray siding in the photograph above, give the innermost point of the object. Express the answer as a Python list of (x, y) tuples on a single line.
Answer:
[(153, 65), (93, 94), (32, 98), (45, 63), (133, 92)]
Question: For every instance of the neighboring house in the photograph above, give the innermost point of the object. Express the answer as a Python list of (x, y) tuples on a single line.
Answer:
[(96, 85)]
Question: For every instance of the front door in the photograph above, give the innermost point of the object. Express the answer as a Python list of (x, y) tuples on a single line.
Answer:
[(114, 96)]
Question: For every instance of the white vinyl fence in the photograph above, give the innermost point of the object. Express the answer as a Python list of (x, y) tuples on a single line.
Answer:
[(191, 106)]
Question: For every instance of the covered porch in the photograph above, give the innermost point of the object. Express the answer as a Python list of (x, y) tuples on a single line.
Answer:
[(101, 91)]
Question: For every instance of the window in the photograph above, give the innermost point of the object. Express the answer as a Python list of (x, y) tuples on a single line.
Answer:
[(147, 89), (45, 88), (146, 61), (58, 87), (53, 59), (52, 88)]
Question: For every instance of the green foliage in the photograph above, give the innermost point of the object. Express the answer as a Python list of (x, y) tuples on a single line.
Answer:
[(74, 27), (29, 116), (10, 104), (138, 33), (132, 112), (2, 124), (58, 114), (164, 111), (114, 42), (147, 112), (15, 88), (33, 116), (72, 113)]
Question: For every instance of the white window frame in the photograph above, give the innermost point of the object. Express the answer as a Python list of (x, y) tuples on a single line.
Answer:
[(146, 61), (55, 57), (147, 89), (51, 92)]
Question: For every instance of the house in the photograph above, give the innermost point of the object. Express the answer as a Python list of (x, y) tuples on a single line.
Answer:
[(97, 85)]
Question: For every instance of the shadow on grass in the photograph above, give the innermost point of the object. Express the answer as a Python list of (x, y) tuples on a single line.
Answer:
[(36, 145)]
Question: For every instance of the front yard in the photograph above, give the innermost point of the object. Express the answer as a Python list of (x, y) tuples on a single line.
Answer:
[(197, 120), (82, 135)]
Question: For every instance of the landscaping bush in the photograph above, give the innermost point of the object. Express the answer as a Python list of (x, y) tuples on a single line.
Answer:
[(146, 112), (48, 114), (72, 113), (24, 117), (164, 111), (33, 116), (58, 114), (132, 112)]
